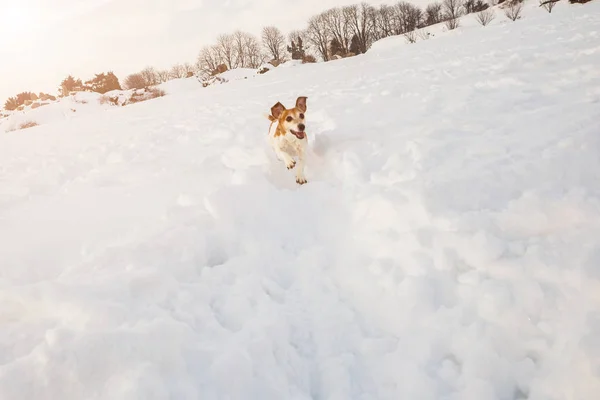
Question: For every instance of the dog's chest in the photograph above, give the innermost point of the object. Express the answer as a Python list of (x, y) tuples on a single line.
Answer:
[(287, 142)]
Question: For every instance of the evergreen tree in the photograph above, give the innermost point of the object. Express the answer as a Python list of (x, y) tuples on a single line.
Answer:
[(69, 85), (103, 83), (355, 45), (23, 97), (297, 50), (11, 104), (335, 48)]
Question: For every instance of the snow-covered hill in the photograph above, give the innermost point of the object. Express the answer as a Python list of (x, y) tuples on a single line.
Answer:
[(447, 245), (77, 103)]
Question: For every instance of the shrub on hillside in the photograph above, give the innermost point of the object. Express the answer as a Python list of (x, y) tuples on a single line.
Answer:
[(135, 81), (485, 17), (411, 36), (513, 10), (147, 94), (219, 70), (156, 92), (28, 124), (424, 35), (24, 125), (309, 59), (114, 100)]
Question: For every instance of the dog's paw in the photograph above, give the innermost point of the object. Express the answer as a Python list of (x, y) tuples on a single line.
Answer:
[(301, 180), (291, 165)]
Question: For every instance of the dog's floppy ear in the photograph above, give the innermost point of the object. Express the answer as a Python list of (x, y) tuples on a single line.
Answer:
[(301, 103), (277, 109)]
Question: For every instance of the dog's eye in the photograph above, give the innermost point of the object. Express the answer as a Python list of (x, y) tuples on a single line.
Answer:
[(301, 116), (289, 119)]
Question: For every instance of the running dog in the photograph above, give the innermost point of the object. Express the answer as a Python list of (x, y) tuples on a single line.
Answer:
[(287, 135)]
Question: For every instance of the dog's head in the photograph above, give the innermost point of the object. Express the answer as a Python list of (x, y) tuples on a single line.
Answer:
[(293, 119)]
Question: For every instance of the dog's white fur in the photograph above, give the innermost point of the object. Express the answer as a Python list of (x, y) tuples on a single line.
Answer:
[(286, 144)]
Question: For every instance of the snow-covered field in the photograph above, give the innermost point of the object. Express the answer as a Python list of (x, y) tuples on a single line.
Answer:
[(447, 245)]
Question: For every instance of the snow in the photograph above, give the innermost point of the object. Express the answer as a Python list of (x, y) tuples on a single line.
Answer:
[(180, 85), (60, 110), (446, 246), (238, 74)]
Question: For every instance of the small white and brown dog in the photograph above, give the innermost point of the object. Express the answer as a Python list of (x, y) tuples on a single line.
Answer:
[(287, 135)]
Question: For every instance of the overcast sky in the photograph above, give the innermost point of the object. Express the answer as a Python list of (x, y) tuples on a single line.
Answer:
[(42, 41)]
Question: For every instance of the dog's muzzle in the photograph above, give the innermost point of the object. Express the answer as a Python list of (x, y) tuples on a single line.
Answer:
[(299, 135)]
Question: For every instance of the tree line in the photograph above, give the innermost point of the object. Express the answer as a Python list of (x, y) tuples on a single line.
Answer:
[(334, 33)]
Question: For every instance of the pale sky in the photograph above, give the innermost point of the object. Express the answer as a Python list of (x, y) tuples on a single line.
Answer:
[(42, 41)]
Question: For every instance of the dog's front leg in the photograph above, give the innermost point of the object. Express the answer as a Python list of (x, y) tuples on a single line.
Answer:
[(283, 155), (301, 149)]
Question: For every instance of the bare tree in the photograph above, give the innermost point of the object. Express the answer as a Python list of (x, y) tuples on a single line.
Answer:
[(177, 71), (359, 19), (452, 13), (318, 35), (163, 75), (514, 9), (407, 17), (239, 50), (338, 29), (241, 55), (226, 50), (473, 6), (274, 42), (189, 70), (208, 60), (150, 76), (135, 81), (396, 19), (548, 5), (247, 50), (254, 54), (383, 24), (485, 17), (433, 14)]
